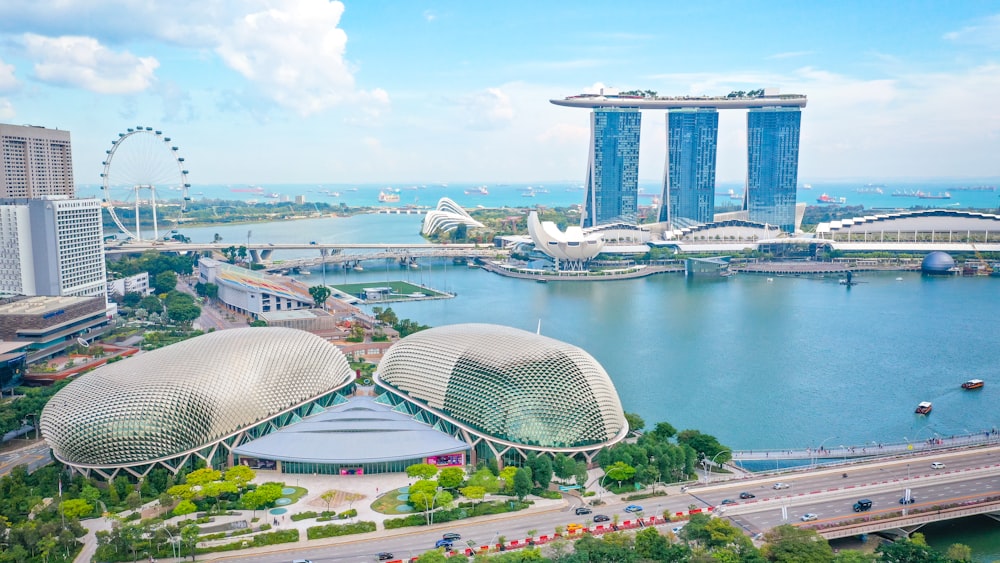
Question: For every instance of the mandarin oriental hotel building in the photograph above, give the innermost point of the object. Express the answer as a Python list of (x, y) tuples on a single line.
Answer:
[(285, 399)]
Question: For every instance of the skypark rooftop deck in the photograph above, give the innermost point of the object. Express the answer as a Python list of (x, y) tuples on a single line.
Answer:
[(678, 102)]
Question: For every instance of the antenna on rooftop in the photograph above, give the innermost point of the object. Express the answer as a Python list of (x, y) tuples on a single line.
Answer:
[(539, 330)]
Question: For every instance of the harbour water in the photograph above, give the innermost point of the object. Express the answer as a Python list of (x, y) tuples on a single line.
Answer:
[(785, 362)]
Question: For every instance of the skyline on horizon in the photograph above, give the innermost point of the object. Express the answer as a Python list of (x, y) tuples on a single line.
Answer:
[(312, 91)]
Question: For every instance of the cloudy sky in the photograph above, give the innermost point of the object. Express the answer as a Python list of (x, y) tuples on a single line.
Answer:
[(314, 91)]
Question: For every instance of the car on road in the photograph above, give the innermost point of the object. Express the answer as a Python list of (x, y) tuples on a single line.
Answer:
[(451, 536), (808, 517), (601, 518), (384, 556), (443, 543), (907, 500), (778, 486), (677, 529), (574, 527), (937, 465), (633, 508), (301, 561), (862, 505), (582, 510), (728, 501), (746, 495)]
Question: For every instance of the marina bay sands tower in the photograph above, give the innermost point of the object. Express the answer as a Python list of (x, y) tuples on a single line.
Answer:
[(773, 122)]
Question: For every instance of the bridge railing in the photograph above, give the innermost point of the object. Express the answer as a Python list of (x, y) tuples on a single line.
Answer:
[(899, 518)]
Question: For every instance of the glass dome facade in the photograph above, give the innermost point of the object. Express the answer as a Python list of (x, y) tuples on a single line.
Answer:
[(509, 385), (185, 396)]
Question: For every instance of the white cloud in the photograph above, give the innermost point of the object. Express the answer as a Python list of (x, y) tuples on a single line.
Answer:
[(488, 109), (985, 33), (82, 62), (8, 82), (293, 52), (6, 109), (429, 15)]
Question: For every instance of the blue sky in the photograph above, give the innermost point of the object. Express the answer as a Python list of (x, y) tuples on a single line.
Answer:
[(313, 91)]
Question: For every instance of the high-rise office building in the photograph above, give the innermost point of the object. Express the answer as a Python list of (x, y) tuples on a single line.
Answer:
[(51, 246), (772, 165), (35, 162), (689, 180), (613, 167)]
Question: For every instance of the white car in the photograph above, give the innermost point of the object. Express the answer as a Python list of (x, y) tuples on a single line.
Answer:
[(778, 486), (808, 517), (937, 465)]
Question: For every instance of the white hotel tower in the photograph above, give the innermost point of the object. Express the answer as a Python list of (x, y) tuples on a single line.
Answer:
[(50, 242)]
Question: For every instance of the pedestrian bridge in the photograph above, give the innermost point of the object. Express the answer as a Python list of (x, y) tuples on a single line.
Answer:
[(828, 454)]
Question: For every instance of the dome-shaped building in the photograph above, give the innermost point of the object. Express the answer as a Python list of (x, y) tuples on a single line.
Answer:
[(504, 390), (937, 263), (190, 398)]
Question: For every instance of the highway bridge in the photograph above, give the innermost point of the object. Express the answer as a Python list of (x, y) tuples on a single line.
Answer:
[(330, 253)]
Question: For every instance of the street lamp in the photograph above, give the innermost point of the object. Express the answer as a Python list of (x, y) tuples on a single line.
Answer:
[(708, 478), (816, 453), (430, 514)]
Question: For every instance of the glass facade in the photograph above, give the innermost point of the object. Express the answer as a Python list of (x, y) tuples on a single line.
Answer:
[(773, 165), (689, 182), (613, 168)]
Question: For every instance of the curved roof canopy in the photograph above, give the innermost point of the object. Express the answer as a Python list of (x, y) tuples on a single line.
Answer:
[(508, 385), (187, 395), (448, 216), (358, 431)]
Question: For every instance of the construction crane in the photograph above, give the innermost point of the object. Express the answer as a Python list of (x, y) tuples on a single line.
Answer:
[(984, 267)]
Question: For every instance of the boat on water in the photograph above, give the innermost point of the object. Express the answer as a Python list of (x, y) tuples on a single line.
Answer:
[(939, 195), (358, 268), (250, 190), (905, 193), (924, 408), (825, 198), (973, 384), (481, 190), (807, 186), (388, 197), (869, 189)]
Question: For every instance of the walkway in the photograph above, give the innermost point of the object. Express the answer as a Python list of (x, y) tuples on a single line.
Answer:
[(872, 449)]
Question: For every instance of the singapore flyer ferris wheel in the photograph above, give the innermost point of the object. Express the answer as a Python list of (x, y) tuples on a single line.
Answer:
[(140, 163)]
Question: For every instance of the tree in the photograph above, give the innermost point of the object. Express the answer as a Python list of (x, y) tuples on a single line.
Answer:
[(484, 478), (541, 470), (422, 470), (706, 444), (133, 500), (165, 282), (189, 534), (620, 471), (433, 556), (912, 550), (184, 507), (320, 293), (507, 476), (473, 492), (240, 475), (522, 483), (328, 497), (203, 476), (254, 500), (635, 422), (151, 303), (451, 477), (788, 544), (959, 552), (664, 431), (75, 508)]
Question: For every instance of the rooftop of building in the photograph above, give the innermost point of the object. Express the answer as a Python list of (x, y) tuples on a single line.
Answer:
[(41, 304), (681, 102), (272, 316)]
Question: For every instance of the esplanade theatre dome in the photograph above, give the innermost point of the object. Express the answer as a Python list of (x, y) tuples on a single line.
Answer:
[(508, 386), (189, 396)]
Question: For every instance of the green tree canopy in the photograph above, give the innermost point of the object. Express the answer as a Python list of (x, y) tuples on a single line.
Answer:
[(319, 293), (164, 282), (620, 471), (522, 483), (75, 508), (635, 422), (422, 470), (451, 477), (789, 544)]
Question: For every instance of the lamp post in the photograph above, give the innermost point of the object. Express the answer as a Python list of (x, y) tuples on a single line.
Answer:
[(430, 514), (600, 486), (816, 453), (708, 478), (35, 420)]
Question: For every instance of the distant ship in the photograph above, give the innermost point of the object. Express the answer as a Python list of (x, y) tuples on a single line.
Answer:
[(481, 190), (905, 193), (869, 189), (940, 195), (250, 190), (807, 186), (834, 200), (388, 197)]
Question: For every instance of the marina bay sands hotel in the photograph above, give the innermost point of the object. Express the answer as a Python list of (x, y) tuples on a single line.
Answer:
[(692, 136)]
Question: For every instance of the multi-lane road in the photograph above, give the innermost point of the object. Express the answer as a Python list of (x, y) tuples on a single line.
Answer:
[(824, 492)]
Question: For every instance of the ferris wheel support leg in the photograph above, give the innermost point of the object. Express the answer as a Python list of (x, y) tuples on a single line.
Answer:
[(138, 233), (152, 203)]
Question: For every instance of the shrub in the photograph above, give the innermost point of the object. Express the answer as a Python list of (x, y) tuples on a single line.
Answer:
[(331, 530), (304, 515), (260, 540), (348, 514)]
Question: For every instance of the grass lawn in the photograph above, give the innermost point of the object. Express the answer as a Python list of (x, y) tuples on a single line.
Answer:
[(387, 503)]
